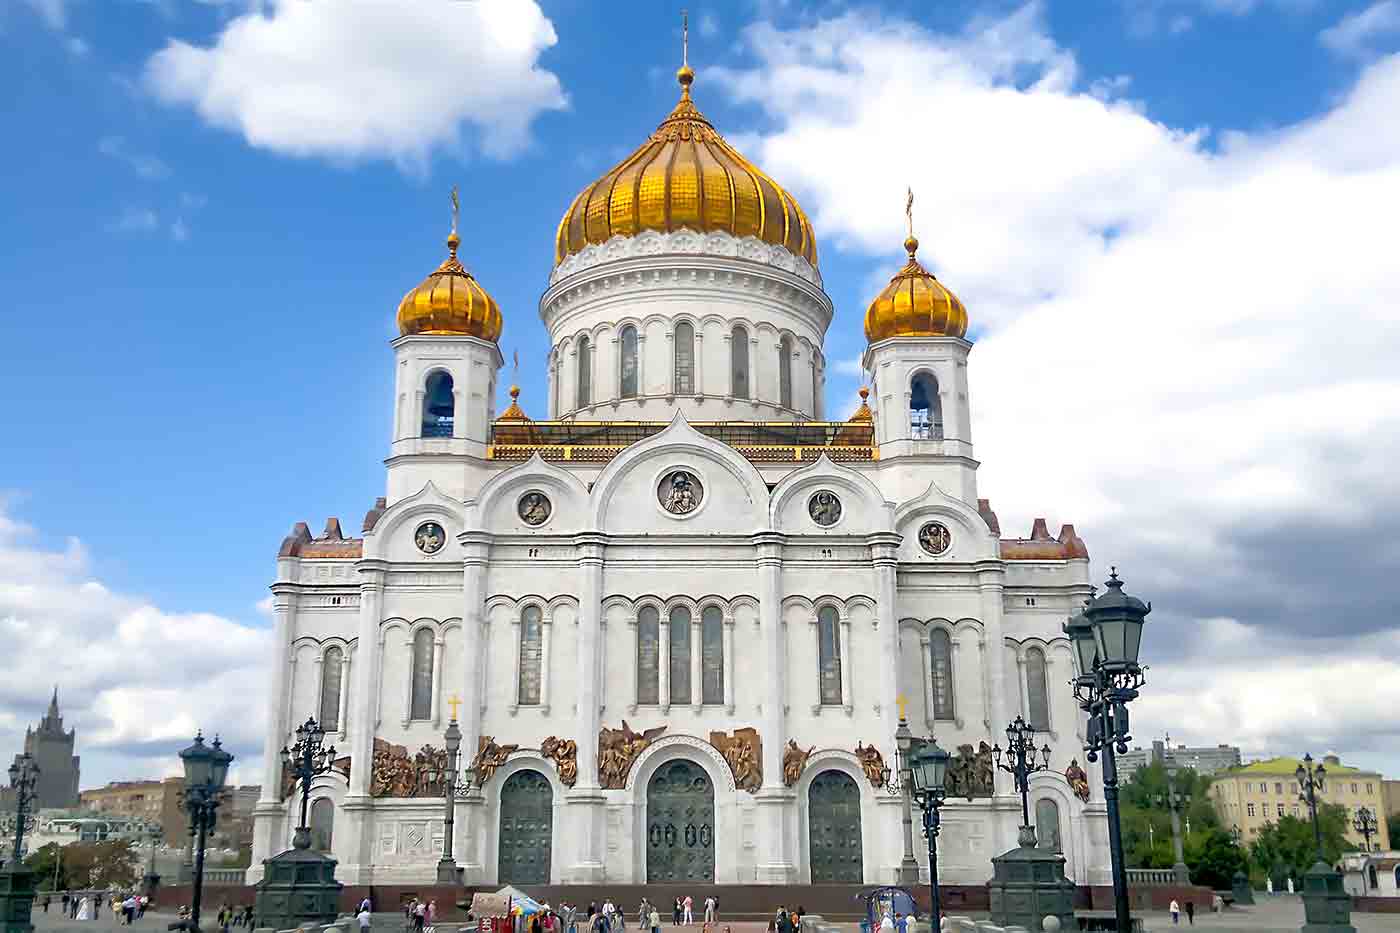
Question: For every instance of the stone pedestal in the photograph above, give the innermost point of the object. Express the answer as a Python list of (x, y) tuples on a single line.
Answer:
[(1029, 884), (298, 888), (1326, 904), (16, 899), (1241, 889)]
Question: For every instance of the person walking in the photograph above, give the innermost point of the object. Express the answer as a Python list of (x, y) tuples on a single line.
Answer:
[(1175, 911), (654, 920), (363, 916), (710, 909), (688, 904), (1191, 912), (676, 909)]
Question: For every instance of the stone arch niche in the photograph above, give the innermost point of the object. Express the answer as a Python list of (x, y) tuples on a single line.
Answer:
[(680, 830), (526, 834), (835, 852)]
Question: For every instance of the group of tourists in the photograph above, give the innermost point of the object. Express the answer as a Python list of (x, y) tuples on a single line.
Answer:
[(790, 921), (612, 918), (126, 908), (420, 914)]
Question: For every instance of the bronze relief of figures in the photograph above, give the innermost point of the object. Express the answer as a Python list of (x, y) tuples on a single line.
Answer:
[(396, 774), (564, 754), (1078, 780), (617, 749), (970, 774), (489, 757), (872, 763), (744, 753), (794, 761)]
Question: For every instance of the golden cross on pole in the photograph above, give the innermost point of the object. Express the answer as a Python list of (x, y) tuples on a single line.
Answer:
[(902, 702), (454, 703), (685, 38), (909, 210), (455, 207)]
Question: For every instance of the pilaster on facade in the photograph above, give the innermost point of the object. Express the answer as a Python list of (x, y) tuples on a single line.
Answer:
[(768, 546), (369, 648)]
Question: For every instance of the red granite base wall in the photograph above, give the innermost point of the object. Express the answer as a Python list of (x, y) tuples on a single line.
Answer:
[(1376, 905), (1154, 897)]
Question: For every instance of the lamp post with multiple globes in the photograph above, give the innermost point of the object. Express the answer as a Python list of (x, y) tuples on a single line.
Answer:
[(455, 788), (206, 770), (306, 759), (1021, 762)]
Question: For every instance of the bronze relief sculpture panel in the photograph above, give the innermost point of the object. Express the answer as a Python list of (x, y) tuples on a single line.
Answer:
[(743, 751), (970, 773), (617, 749), (564, 754), (872, 763), (489, 757), (795, 761)]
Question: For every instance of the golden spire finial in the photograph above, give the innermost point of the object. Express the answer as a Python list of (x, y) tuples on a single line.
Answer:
[(685, 75), (911, 244), (452, 238)]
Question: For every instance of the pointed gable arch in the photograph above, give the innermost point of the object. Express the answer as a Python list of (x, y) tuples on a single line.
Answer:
[(863, 509)]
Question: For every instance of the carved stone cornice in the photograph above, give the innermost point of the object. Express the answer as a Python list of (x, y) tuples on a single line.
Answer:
[(683, 242)]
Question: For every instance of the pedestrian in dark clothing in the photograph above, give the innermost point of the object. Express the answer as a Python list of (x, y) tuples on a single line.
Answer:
[(1190, 913)]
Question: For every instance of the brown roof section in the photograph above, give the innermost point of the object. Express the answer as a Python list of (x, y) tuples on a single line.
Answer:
[(1040, 546), (373, 515), (331, 544), (984, 508)]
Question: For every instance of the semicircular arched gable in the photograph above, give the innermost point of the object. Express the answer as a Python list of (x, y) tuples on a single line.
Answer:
[(392, 537), (496, 507), (863, 508)]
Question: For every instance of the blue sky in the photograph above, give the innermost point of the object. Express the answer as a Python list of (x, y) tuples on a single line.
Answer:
[(196, 353)]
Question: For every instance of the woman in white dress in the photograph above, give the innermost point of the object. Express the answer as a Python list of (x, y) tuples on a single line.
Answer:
[(84, 909)]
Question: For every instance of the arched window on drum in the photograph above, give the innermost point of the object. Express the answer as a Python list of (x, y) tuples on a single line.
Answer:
[(785, 372), (1037, 695), (332, 664), (739, 362), (627, 377), (421, 693), (685, 359), (829, 655), (583, 385)]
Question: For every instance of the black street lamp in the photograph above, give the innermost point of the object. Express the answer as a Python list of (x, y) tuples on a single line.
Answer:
[(1106, 637), (1021, 763), (928, 767), (1175, 803), (1310, 780), (1365, 823), (206, 769), (1239, 882), (1326, 904), (24, 775), (453, 790), (304, 761)]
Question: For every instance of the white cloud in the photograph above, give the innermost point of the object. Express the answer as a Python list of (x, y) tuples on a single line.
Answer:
[(54, 13), (1186, 349), (135, 220), (135, 680), (359, 79), (1358, 33), (143, 164), (77, 47)]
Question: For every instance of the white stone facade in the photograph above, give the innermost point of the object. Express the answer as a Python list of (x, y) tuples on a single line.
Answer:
[(610, 553)]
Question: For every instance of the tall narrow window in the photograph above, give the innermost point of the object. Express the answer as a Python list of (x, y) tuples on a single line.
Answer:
[(785, 372), (712, 655), (829, 655), (1047, 825), (1038, 701), (925, 409), (739, 362), (330, 688), (685, 359), (941, 668), (531, 643), (628, 378), (421, 704), (322, 823), (438, 405), (680, 655), (648, 656), (585, 373)]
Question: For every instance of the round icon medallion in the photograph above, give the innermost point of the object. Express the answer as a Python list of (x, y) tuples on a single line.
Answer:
[(935, 538), (534, 508), (825, 508), (680, 492), (430, 537)]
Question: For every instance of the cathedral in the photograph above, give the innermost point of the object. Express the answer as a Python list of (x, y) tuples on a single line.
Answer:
[(678, 618)]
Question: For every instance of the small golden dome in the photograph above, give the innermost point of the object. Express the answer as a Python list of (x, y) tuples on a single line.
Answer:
[(450, 301), (915, 304), (685, 177), (863, 413), (513, 411)]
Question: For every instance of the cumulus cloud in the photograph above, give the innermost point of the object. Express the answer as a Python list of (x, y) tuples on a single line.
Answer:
[(134, 679), (1358, 34), (1184, 337), (359, 79)]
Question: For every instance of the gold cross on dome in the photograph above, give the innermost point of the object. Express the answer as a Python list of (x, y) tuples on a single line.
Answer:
[(902, 702), (909, 209), (454, 703), (456, 206), (685, 39)]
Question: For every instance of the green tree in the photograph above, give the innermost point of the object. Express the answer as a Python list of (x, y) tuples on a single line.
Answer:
[(1213, 858), (1288, 845), (1143, 805), (110, 864), (43, 862)]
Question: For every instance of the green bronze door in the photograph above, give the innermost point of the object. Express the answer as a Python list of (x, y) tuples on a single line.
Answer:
[(527, 829), (833, 823), (680, 824)]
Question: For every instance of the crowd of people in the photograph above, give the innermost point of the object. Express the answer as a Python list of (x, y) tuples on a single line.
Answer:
[(612, 918), (126, 908)]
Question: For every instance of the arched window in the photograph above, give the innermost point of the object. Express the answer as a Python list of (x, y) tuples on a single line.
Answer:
[(685, 358), (438, 405), (739, 362), (1047, 825), (941, 670), (1375, 881), (648, 656), (531, 654), (829, 655), (925, 408), (680, 655), (628, 375), (331, 671), (322, 823), (1037, 698), (584, 395), (712, 655), (785, 372), (421, 703)]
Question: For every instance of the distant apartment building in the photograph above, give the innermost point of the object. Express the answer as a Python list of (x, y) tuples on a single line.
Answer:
[(1203, 759), (1390, 790), (161, 802), (1259, 793)]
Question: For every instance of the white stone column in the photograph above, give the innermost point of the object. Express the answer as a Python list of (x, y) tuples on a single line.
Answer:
[(585, 799), (663, 673), (437, 679), (460, 397), (926, 651), (775, 801), (546, 627), (284, 609), (884, 550), (343, 701), (699, 366), (848, 686), (415, 417), (408, 683), (477, 550), (697, 693), (366, 677), (517, 639), (728, 663), (990, 584)]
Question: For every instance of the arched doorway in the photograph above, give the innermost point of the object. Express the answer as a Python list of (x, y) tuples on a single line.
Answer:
[(527, 829), (833, 829), (680, 824)]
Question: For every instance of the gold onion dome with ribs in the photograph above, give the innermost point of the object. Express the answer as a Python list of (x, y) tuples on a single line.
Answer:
[(685, 177), (450, 302), (915, 304)]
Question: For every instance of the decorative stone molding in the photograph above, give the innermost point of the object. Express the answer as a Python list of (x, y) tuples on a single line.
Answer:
[(683, 242), (722, 772)]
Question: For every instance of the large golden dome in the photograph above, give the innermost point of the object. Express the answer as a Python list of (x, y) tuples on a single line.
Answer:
[(450, 301), (915, 304), (685, 176)]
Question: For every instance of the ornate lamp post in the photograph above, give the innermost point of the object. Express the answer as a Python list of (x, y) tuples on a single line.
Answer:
[(900, 784), (1175, 804), (16, 881), (928, 767), (206, 769), (1365, 823), (304, 761), (1021, 763), (1310, 781), (24, 775), (1106, 638), (453, 790), (1239, 884), (1326, 904)]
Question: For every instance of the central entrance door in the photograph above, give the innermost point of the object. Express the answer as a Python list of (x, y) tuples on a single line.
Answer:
[(680, 824), (833, 823), (527, 829)]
